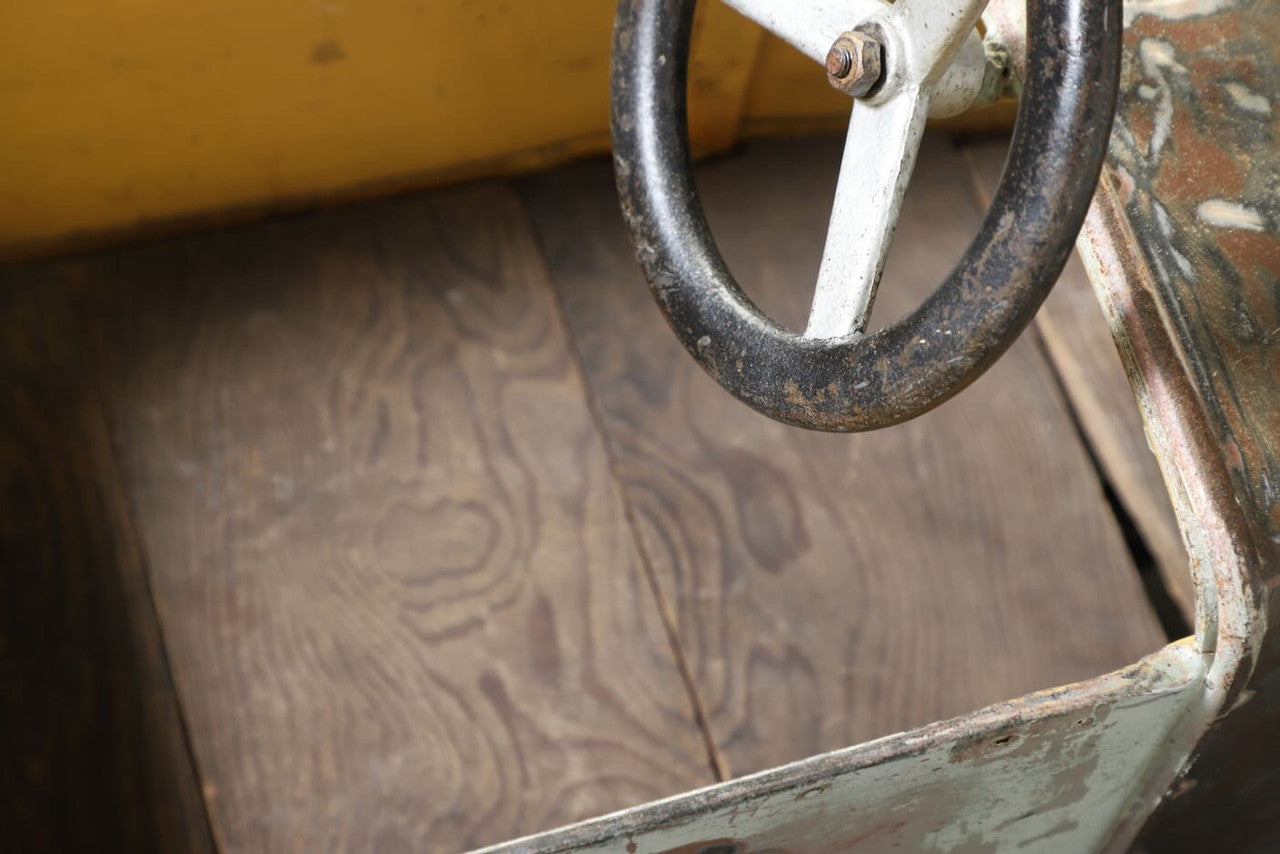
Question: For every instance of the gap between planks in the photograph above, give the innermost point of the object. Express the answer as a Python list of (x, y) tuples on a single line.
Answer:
[(401, 599), (827, 588), (715, 758), (104, 451), (1072, 332)]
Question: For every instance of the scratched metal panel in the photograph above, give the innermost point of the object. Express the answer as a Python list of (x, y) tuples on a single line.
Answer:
[(1054, 771), (1194, 185)]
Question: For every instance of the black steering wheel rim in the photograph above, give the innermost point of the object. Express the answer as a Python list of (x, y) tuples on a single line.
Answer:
[(865, 382)]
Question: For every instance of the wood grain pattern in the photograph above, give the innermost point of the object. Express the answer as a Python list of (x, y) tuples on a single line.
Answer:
[(94, 755), (403, 603), (830, 589), (1077, 339)]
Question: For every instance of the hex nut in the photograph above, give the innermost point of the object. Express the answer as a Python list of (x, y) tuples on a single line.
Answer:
[(855, 63), (839, 61)]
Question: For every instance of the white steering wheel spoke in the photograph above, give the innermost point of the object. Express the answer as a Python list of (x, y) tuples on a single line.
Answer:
[(879, 155), (898, 60), (936, 30), (810, 26), (928, 43)]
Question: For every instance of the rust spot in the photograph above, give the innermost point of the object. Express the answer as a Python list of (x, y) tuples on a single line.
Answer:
[(327, 52), (723, 845), (976, 748), (808, 793)]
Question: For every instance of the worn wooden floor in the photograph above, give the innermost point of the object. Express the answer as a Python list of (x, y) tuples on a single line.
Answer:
[(409, 526)]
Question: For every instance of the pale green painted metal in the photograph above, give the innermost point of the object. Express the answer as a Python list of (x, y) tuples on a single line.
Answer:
[(1061, 770)]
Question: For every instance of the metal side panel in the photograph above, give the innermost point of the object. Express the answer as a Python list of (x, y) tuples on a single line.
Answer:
[(1053, 771), (1184, 249)]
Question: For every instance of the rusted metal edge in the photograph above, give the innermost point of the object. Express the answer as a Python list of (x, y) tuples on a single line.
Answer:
[(1174, 674), (1213, 526), (1230, 619), (1226, 570), (1225, 567)]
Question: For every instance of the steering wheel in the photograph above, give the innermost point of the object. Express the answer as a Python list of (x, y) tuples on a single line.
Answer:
[(899, 61)]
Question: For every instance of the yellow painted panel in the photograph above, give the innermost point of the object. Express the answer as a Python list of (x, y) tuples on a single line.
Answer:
[(789, 87), (128, 114), (133, 110)]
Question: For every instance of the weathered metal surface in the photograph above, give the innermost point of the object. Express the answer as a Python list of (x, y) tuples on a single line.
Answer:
[(1184, 242), (1182, 248), (900, 371), (1055, 771)]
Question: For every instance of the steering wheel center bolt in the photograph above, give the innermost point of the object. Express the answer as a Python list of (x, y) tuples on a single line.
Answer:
[(855, 63)]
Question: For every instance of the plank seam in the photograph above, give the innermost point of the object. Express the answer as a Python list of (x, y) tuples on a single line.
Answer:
[(715, 759), (1172, 621)]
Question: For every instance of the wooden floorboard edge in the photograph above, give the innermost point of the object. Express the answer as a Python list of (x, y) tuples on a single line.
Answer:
[(104, 454)]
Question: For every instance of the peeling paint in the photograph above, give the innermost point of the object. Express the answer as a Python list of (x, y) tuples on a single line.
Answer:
[(1221, 213), (1172, 10), (1246, 99)]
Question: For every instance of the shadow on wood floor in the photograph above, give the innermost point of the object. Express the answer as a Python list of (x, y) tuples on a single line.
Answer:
[(95, 756)]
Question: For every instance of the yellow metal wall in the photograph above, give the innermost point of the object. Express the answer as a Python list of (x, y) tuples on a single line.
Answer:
[(123, 115)]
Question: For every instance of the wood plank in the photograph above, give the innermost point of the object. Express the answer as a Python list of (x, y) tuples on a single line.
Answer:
[(404, 605), (831, 589), (94, 752), (1077, 339)]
